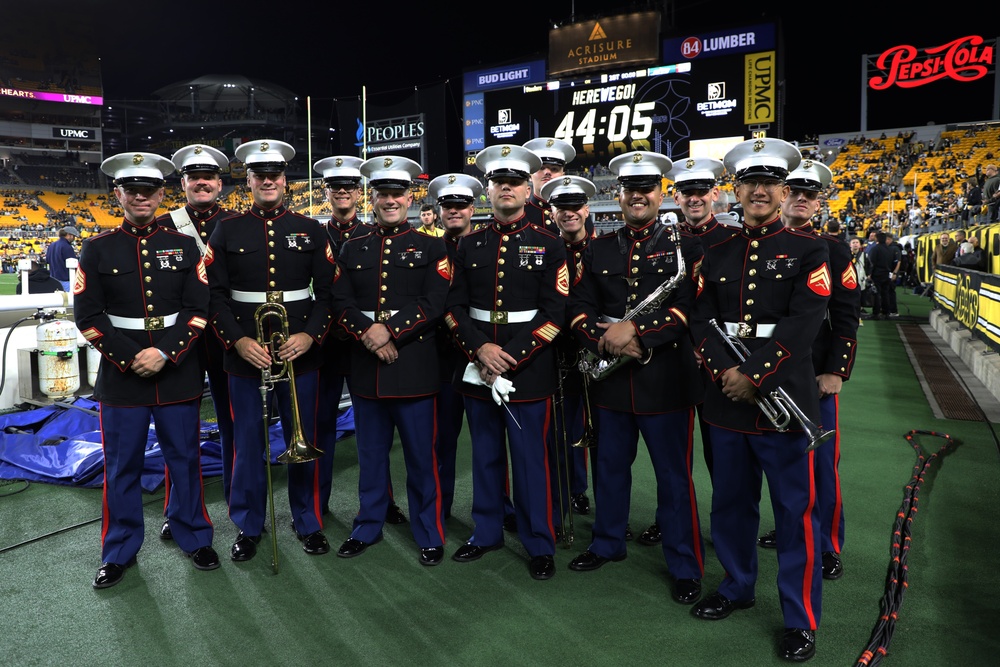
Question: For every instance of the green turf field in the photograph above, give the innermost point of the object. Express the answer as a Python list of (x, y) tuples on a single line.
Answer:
[(8, 281)]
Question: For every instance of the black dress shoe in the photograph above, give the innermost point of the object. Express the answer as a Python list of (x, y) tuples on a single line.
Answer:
[(581, 503), (510, 523), (110, 574), (651, 536), (588, 561), (542, 567), (165, 533), (768, 540), (469, 552), (431, 556), (797, 644), (245, 547), (717, 607), (628, 533), (394, 515), (833, 568), (204, 558), (686, 591), (353, 547), (314, 544)]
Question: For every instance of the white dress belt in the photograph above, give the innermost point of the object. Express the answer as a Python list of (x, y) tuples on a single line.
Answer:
[(744, 330), (502, 316), (610, 320), (277, 296), (380, 316), (143, 323)]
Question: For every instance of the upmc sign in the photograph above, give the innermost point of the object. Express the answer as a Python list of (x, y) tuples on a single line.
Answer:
[(964, 59), (73, 133)]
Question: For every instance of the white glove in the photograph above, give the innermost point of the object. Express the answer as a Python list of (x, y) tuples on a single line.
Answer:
[(501, 388)]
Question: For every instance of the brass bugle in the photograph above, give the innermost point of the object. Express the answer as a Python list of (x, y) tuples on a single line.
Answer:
[(777, 406)]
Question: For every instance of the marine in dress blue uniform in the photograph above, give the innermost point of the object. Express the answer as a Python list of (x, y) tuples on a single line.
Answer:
[(768, 286), (269, 254), (201, 180), (456, 195), (656, 398), (505, 309), (569, 198), (342, 187), (833, 355), (695, 191), (554, 155), (141, 299), (388, 296)]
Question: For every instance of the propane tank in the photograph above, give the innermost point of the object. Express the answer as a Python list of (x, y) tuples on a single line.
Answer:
[(58, 365)]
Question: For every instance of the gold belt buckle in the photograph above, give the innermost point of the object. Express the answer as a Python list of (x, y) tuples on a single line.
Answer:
[(498, 317), (382, 316), (152, 323), (276, 297), (744, 330)]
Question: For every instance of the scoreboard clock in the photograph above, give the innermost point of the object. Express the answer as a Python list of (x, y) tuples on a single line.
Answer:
[(657, 109)]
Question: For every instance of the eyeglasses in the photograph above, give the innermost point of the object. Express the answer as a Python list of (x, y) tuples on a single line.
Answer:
[(769, 184), (811, 195)]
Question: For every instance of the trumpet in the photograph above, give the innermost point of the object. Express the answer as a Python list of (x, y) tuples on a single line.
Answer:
[(299, 449), (778, 406)]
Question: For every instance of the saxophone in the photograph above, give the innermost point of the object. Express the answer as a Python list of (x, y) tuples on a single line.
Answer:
[(596, 367)]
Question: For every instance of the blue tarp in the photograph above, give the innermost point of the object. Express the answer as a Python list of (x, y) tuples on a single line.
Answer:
[(60, 445)]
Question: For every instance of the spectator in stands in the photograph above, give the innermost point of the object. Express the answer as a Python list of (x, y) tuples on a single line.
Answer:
[(972, 255), (945, 252), (39, 281), (57, 254), (429, 221), (991, 191), (973, 200), (916, 217)]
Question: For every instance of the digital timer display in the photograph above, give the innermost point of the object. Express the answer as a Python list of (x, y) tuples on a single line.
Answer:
[(657, 109)]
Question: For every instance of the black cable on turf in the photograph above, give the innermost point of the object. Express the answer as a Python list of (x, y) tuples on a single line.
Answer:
[(896, 577)]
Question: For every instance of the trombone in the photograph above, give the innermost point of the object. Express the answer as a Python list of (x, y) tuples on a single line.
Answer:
[(299, 449), (778, 406), (564, 455)]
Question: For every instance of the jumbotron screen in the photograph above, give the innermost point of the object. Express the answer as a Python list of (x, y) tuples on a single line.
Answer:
[(659, 109), (698, 94)]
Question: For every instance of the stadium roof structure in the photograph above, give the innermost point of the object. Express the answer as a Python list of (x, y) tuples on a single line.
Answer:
[(219, 93)]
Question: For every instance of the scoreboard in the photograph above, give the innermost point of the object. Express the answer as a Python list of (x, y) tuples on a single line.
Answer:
[(661, 108)]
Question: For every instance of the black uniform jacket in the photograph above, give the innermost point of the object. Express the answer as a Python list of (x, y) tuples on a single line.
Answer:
[(567, 346), (711, 232), (450, 356), (619, 271), (336, 346), (210, 350), (539, 213), (771, 276), (143, 272), (204, 221), (400, 278), (265, 251), (503, 268), (837, 343)]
